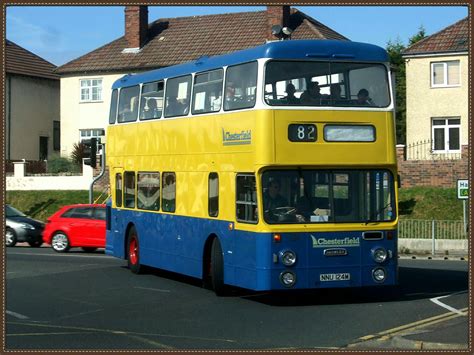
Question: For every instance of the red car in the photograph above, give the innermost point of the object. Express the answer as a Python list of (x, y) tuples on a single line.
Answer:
[(81, 225)]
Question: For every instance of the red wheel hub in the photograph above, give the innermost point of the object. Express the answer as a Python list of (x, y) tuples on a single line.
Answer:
[(133, 251)]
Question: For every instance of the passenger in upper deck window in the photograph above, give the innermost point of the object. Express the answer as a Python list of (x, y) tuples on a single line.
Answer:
[(230, 99), (290, 98), (175, 108), (151, 110), (363, 98), (311, 96), (125, 113)]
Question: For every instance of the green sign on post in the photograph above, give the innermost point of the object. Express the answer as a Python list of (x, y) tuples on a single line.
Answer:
[(463, 189)]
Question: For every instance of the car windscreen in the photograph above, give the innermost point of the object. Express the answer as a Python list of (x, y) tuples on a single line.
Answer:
[(13, 212)]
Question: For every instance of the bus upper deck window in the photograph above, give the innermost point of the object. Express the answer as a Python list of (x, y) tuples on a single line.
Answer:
[(128, 104), (240, 86), (113, 107), (151, 104), (177, 97)]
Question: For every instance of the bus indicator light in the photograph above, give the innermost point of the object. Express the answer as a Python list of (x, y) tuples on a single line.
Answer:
[(231, 226), (277, 238)]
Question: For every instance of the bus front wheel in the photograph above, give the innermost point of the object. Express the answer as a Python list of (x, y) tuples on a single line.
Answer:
[(133, 251), (217, 268)]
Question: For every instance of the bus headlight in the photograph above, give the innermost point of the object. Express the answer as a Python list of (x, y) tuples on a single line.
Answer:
[(288, 258), (288, 278), (379, 275), (379, 255)]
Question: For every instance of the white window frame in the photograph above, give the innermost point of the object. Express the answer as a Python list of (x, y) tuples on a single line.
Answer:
[(89, 88), (445, 83), (446, 128), (90, 133)]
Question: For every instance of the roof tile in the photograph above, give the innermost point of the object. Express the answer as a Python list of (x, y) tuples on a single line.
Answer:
[(454, 38), (178, 40), (20, 61)]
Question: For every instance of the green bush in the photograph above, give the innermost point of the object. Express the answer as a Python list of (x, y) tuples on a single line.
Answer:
[(78, 153), (58, 164)]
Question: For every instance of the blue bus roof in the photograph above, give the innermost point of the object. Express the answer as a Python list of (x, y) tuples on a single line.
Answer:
[(292, 49)]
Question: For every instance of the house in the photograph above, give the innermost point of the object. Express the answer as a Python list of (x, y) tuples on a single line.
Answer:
[(32, 118), (437, 88), (86, 81)]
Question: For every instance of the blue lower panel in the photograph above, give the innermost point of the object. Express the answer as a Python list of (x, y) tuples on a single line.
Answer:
[(251, 260)]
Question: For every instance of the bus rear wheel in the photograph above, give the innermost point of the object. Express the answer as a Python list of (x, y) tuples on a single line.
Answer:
[(133, 252), (217, 268)]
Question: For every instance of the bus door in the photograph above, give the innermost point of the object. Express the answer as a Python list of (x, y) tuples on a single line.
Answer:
[(116, 219)]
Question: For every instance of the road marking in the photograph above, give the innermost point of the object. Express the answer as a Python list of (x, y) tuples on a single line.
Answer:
[(57, 255), (387, 334), (121, 332), (437, 301), (16, 315), (151, 289)]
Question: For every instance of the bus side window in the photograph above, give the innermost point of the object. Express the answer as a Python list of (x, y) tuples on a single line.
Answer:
[(118, 190), (129, 180), (128, 104), (113, 107), (151, 104), (213, 205), (246, 198), (178, 92), (168, 203), (207, 93), (240, 86), (148, 191)]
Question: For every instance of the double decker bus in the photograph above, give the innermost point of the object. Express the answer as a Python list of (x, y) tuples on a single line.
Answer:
[(271, 168)]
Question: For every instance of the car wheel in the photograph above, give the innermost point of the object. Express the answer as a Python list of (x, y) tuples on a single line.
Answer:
[(217, 268), (133, 252), (89, 249), (10, 237), (60, 242), (35, 244)]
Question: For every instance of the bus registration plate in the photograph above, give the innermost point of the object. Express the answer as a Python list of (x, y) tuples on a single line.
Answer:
[(344, 276)]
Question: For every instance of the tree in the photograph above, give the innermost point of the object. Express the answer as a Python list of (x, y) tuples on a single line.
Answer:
[(395, 51)]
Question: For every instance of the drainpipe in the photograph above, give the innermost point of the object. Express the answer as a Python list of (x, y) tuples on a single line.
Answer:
[(9, 117)]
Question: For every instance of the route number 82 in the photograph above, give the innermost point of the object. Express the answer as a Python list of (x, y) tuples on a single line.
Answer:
[(302, 132)]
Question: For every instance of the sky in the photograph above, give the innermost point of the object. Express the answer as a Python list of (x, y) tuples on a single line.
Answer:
[(60, 34)]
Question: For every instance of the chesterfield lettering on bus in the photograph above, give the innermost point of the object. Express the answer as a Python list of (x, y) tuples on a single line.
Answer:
[(325, 243), (229, 138)]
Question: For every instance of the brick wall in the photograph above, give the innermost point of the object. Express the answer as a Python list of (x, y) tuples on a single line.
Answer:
[(136, 25), (436, 173)]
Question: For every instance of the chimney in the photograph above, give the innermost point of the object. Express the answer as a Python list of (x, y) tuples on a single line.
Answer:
[(136, 26), (277, 15)]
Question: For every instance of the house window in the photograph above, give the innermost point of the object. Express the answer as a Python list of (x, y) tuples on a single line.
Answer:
[(445, 74), (446, 135), (56, 135), (91, 133), (91, 90)]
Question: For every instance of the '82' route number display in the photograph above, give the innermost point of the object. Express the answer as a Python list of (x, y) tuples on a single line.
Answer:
[(302, 132)]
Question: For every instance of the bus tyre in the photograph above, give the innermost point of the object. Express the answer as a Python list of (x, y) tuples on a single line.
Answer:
[(133, 252), (217, 268)]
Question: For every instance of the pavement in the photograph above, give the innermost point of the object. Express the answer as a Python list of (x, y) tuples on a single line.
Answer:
[(447, 331)]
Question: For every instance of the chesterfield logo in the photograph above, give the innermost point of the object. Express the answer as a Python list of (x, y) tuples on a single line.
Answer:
[(230, 138), (330, 243)]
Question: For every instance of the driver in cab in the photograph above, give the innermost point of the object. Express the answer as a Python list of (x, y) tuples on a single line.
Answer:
[(272, 199)]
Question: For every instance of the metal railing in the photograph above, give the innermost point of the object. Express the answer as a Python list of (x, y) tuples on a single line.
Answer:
[(423, 150), (431, 229)]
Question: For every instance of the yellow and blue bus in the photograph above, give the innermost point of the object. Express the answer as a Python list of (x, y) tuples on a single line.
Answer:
[(271, 168)]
